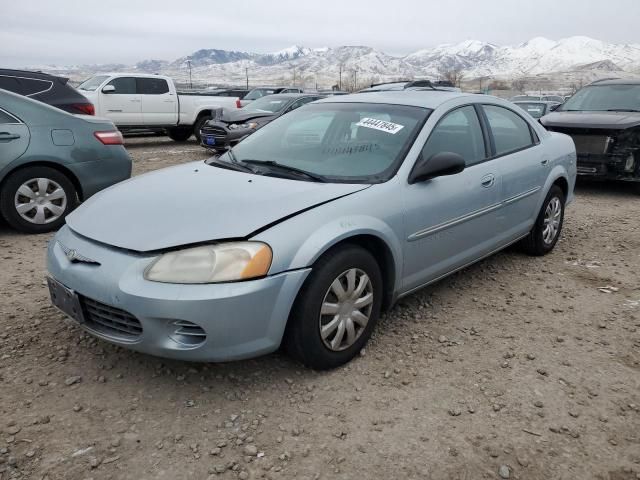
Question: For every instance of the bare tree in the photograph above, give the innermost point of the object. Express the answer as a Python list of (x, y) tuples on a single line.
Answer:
[(519, 85), (454, 76)]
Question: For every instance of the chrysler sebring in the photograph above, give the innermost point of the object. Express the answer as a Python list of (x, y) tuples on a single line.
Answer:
[(303, 233)]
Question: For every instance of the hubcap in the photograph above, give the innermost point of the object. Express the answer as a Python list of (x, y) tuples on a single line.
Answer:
[(552, 218), (40, 201), (346, 309)]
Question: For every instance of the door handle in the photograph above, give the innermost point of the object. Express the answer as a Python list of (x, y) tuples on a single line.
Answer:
[(545, 162), (6, 136), (488, 180)]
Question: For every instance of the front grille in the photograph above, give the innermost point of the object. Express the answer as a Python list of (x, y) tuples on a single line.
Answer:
[(587, 141), (216, 132), (596, 144), (110, 321)]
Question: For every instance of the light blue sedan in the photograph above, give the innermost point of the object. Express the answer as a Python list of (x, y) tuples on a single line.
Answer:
[(310, 227)]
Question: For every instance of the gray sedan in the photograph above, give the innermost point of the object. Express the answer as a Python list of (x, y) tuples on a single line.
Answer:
[(50, 160), (301, 234)]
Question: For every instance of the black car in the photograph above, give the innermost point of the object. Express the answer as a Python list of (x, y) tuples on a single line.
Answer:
[(49, 89), (220, 134), (603, 119)]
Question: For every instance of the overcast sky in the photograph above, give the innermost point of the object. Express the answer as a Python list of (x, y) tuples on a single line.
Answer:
[(66, 32)]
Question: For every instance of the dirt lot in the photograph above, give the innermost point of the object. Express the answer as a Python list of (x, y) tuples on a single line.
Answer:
[(518, 367)]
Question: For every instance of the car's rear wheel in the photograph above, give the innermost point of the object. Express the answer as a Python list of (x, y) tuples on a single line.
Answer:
[(546, 231), (198, 126), (179, 134), (336, 310), (37, 199)]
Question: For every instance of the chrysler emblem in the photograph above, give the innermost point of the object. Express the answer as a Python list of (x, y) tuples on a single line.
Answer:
[(71, 255)]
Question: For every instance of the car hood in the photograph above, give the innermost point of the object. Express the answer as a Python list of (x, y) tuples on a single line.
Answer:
[(195, 203), (610, 120), (240, 116)]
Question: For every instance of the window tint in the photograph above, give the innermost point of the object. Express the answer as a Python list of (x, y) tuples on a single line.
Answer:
[(510, 131), (124, 85), (152, 86), (459, 132), (6, 118), (25, 86)]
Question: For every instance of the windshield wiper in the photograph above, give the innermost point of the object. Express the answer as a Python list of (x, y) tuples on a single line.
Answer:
[(233, 165), (286, 168)]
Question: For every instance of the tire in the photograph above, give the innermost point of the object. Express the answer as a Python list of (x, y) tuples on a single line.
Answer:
[(198, 126), (51, 181), (179, 134), (537, 243), (303, 339)]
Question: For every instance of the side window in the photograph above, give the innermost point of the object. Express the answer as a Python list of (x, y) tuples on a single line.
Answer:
[(458, 132), (124, 85), (152, 86), (510, 131), (24, 86), (6, 118), (297, 104)]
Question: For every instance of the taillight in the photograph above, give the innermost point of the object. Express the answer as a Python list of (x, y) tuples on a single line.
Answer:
[(110, 138), (238, 104), (86, 108)]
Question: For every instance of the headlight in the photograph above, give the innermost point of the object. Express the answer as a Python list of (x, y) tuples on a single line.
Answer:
[(224, 262), (244, 126)]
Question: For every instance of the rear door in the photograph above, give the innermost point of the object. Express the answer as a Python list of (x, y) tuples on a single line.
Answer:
[(124, 104), (159, 104), (14, 138), (524, 164), (451, 220)]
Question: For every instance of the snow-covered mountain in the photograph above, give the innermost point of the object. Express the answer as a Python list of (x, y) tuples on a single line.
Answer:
[(362, 64)]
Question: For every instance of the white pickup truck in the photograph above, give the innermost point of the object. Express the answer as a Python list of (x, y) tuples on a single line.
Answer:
[(135, 101)]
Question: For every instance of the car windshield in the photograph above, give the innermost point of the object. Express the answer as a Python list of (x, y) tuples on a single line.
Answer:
[(602, 98), (340, 142), (268, 104), (93, 83), (536, 110), (258, 93)]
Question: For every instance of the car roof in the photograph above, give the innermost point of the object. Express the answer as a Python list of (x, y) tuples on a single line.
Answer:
[(286, 96), (31, 74), (416, 98), (545, 102), (616, 81)]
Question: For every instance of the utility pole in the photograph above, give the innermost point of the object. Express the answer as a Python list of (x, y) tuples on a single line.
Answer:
[(246, 72), (189, 66), (340, 81), (294, 76)]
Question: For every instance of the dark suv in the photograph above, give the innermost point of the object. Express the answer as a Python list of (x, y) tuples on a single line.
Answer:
[(49, 89), (603, 119)]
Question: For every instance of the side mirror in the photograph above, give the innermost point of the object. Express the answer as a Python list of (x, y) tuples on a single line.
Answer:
[(109, 89), (553, 108), (438, 165)]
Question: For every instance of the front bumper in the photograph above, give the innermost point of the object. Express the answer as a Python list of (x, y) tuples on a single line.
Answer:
[(240, 320), (610, 167), (222, 136)]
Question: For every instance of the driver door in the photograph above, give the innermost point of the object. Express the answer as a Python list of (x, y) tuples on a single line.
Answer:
[(450, 220)]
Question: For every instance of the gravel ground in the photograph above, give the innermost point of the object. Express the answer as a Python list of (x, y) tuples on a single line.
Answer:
[(518, 367)]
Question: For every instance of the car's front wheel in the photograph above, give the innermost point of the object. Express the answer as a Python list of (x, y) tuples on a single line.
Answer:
[(546, 231), (37, 199), (336, 310)]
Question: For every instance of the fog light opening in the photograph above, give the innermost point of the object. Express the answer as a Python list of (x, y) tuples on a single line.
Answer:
[(630, 163), (187, 333)]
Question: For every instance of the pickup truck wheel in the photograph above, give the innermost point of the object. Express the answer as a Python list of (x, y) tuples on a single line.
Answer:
[(336, 310), (546, 231), (198, 126), (179, 134), (37, 199)]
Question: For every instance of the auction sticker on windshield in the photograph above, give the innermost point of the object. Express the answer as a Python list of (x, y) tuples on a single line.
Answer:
[(381, 125)]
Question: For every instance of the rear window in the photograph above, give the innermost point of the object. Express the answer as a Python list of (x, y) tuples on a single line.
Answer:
[(24, 86), (152, 86), (536, 110), (6, 118)]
